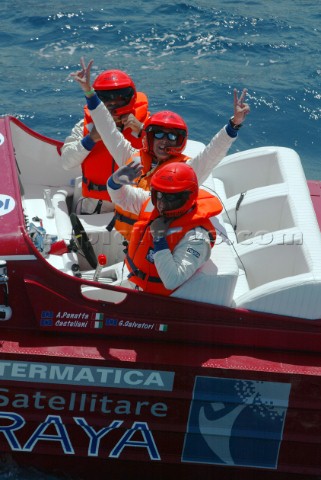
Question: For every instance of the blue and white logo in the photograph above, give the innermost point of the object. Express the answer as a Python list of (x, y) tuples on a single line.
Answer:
[(7, 204), (236, 422)]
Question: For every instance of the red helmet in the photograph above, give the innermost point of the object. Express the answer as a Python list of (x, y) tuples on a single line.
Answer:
[(176, 184), (115, 84), (168, 120)]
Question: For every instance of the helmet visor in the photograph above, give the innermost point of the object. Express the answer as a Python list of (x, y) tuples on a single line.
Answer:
[(166, 202), (120, 96)]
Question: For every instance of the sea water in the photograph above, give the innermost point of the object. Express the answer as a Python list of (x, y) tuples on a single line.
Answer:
[(187, 56)]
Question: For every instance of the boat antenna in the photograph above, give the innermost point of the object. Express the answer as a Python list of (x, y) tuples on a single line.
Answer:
[(238, 204)]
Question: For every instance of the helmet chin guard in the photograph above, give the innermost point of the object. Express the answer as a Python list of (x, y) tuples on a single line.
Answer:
[(126, 110)]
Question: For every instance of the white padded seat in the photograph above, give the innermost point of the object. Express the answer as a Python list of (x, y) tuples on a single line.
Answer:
[(108, 243), (103, 241), (216, 187), (283, 277), (96, 222), (265, 209), (241, 286), (215, 281), (254, 168), (279, 240)]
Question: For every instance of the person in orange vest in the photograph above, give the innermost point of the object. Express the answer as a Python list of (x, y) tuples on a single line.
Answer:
[(170, 132), (129, 110), (173, 235)]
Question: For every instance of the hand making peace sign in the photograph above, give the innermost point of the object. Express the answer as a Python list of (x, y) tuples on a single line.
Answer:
[(241, 108)]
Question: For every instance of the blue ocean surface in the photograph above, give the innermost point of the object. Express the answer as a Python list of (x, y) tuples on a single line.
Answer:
[(187, 56)]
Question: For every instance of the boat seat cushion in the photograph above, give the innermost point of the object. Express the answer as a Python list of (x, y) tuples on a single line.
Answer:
[(278, 237)]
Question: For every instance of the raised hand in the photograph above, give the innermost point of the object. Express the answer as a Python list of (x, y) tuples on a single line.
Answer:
[(83, 75), (241, 108), (94, 135), (130, 121), (127, 174), (159, 227)]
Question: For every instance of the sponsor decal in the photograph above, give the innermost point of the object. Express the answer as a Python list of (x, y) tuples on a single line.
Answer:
[(150, 255), (141, 325), (7, 204), (193, 252), (95, 320), (55, 431), (72, 316), (113, 322), (67, 374), (66, 428), (70, 323), (66, 319), (77, 402), (90, 435), (236, 422)]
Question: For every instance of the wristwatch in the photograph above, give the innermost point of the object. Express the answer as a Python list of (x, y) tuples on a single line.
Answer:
[(233, 125)]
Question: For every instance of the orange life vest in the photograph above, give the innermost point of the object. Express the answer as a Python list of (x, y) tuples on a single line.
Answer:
[(123, 220), (99, 165), (139, 260)]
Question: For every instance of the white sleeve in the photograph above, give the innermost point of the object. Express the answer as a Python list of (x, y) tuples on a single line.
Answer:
[(129, 198), (214, 152), (72, 152), (120, 148), (174, 268)]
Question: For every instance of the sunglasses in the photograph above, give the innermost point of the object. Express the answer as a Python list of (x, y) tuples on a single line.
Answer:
[(172, 137), (122, 95), (171, 197), (120, 101)]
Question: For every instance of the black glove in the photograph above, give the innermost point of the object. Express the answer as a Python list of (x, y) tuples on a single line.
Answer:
[(159, 227), (126, 175)]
